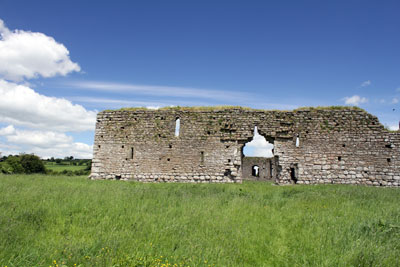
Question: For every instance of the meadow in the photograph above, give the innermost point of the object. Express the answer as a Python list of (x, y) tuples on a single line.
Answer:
[(72, 221), (60, 167)]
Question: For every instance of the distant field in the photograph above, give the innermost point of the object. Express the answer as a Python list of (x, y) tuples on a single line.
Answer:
[(58, 220), (60, 167)]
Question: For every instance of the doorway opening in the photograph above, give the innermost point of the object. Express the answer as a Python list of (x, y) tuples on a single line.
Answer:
[(293, 174)]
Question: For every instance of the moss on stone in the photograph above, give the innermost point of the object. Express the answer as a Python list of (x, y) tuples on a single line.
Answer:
[(221, 108)]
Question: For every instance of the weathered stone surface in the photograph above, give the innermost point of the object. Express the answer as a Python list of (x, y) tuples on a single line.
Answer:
[(337, 145), (266, 168)]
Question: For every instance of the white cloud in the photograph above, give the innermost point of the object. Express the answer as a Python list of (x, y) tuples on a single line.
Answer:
[(45, 143), (171, 91), (9, 130), (115, 102), (393, 127), (395, 100), (258, 147), (21, 105), (366, 83), (355, 100), (25, 55)]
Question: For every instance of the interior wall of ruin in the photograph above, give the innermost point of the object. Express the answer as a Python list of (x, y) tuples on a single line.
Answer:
[(265, 168)]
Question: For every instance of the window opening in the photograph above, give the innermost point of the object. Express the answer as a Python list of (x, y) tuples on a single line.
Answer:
[(202, 157), (255, 171), (297, 141), (132, 152), (177, 126)]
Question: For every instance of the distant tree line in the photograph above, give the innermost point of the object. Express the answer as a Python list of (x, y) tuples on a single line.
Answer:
[(29, 164), (69, 161)]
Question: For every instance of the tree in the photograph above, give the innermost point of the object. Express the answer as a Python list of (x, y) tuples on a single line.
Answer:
[(23, 164), (32, 164)]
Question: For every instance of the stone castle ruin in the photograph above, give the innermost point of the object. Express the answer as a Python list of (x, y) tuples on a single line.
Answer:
[(332, 145)]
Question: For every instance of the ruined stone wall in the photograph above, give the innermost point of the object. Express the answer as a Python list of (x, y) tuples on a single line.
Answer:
[(265, 168), (336, 145)]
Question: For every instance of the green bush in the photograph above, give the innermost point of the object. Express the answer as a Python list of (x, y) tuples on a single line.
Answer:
[(26, 163), (12, 165), (32, 164)]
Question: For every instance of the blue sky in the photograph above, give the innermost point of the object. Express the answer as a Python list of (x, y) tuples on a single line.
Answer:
[(261, 54)]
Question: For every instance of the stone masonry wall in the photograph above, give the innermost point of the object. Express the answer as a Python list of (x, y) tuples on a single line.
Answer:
[(266, 168), (336, 145)]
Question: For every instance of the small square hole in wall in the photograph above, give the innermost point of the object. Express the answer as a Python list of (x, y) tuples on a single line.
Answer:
[(126, 158), (101, 136), (344, 145), (229, 160), (208, 132), (168, 159), (122, 127), (170, 146), (388, 160), (339, 158), (99, 146), (122, 146), (227, 146)]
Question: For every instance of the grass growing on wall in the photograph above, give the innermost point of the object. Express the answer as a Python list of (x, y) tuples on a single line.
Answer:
[(49, 221)]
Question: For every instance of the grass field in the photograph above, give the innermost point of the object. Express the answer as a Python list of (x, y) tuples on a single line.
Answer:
[(49, 221), (60, 167)]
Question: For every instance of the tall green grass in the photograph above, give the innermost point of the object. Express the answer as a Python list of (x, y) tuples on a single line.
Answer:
[(49, 221)]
